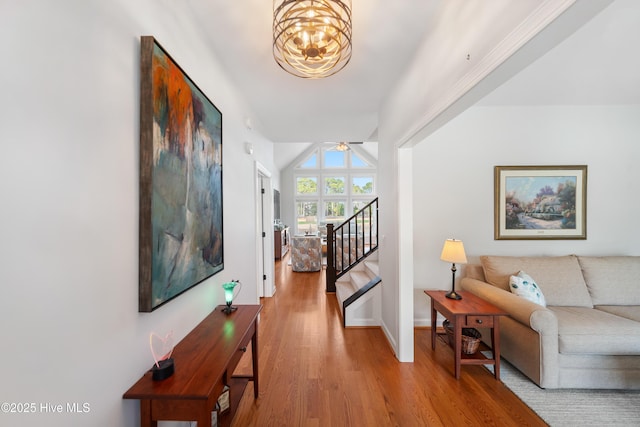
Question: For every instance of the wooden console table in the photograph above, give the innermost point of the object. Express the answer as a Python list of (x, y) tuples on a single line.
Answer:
[(469, 312), (204, 363)]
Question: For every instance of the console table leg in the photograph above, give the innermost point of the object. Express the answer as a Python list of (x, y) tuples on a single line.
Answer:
[(457, 345), (434, 325), (254, 356), (145, 414), (495, 346), (204, 419)]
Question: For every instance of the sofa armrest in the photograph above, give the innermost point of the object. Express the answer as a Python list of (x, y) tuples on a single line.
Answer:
[(540, 361), (535, 316)]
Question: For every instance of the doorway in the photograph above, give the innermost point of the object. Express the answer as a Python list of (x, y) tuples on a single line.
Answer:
[(265, 270)]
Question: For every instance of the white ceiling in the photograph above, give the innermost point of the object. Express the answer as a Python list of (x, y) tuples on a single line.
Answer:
[(387, 35), (597, 65), (289, 108)]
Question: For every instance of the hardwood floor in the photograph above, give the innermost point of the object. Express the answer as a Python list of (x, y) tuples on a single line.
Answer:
[(315, 373)]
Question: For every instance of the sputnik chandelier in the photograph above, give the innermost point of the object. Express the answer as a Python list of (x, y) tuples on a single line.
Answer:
[(312, 38)]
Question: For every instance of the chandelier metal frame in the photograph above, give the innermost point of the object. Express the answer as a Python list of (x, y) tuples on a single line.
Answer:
[(312, 38)]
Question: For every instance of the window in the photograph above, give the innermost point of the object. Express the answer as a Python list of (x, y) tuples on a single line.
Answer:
[(358, 204), (330, 186), (334, 159), (334, 185), (357, 162), (334, 211), (311, 162), (362, 185), (307, 217), (307, 185)]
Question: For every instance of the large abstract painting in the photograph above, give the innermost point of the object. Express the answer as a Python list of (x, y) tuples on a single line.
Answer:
[(180, 181), (540, 202)]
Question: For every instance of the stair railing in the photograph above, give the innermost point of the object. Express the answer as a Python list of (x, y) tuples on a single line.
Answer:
[(351, 242)]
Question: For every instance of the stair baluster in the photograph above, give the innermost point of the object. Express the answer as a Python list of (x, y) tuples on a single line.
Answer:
[(337, 269)]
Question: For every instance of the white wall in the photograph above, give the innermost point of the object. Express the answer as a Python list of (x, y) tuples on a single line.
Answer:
[(453, 183), (287, 199), (388, 231), (69, 184), (425, 98)]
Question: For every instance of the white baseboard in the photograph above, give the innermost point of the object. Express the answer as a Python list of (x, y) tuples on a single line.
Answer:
[(422, 322)]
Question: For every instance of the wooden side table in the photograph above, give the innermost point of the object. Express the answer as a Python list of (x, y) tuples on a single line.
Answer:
[(469, 312)]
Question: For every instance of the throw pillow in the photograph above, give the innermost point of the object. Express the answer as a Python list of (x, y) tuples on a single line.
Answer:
[(523, 285)]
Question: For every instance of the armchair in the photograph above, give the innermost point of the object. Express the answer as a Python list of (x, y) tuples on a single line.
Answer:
[(306, 253)]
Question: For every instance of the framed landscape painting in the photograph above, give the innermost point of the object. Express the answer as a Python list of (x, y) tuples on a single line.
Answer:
[(540, 202), (181, 238)]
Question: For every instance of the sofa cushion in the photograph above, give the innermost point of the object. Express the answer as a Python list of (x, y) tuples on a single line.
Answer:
[(474, 271), (628, 311), (612, 280), (589, 331), (524, 286), (560, 278)]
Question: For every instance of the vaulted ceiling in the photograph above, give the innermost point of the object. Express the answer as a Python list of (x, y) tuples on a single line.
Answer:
[(387, 37), (596, 65)]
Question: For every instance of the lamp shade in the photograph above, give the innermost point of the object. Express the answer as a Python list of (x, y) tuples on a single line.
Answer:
[(231, 289), (453, 251), (228, 295)]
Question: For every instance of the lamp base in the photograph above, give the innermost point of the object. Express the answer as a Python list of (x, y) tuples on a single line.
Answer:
[(163, 370), (228, 309), (453, 295)]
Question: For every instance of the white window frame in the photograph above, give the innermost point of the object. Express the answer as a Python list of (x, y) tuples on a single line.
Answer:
[(348, 172)]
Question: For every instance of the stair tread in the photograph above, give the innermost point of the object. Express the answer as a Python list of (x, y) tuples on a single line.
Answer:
[(373, 267), (359, 279), (345, 288), (343, 279)]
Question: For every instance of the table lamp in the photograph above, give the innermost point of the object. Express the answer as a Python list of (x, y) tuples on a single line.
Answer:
[(453, 252), (229, 295)]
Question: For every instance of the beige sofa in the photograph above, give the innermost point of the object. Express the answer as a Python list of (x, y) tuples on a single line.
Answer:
[(588, 335)]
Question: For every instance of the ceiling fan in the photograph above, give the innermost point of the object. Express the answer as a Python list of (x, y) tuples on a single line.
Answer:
[(344, 146)]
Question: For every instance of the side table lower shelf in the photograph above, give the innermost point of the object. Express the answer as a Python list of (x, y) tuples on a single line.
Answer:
[(467, 312), (477, 358), (237, 386)]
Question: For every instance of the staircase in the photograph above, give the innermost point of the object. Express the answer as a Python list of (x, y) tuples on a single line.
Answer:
[(352, 267), (358, 295)]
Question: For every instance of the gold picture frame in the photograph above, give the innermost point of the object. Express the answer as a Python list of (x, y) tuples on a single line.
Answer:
[(540, 202)]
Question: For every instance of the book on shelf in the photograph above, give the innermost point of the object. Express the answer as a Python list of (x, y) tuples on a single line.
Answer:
[(223, 400)]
